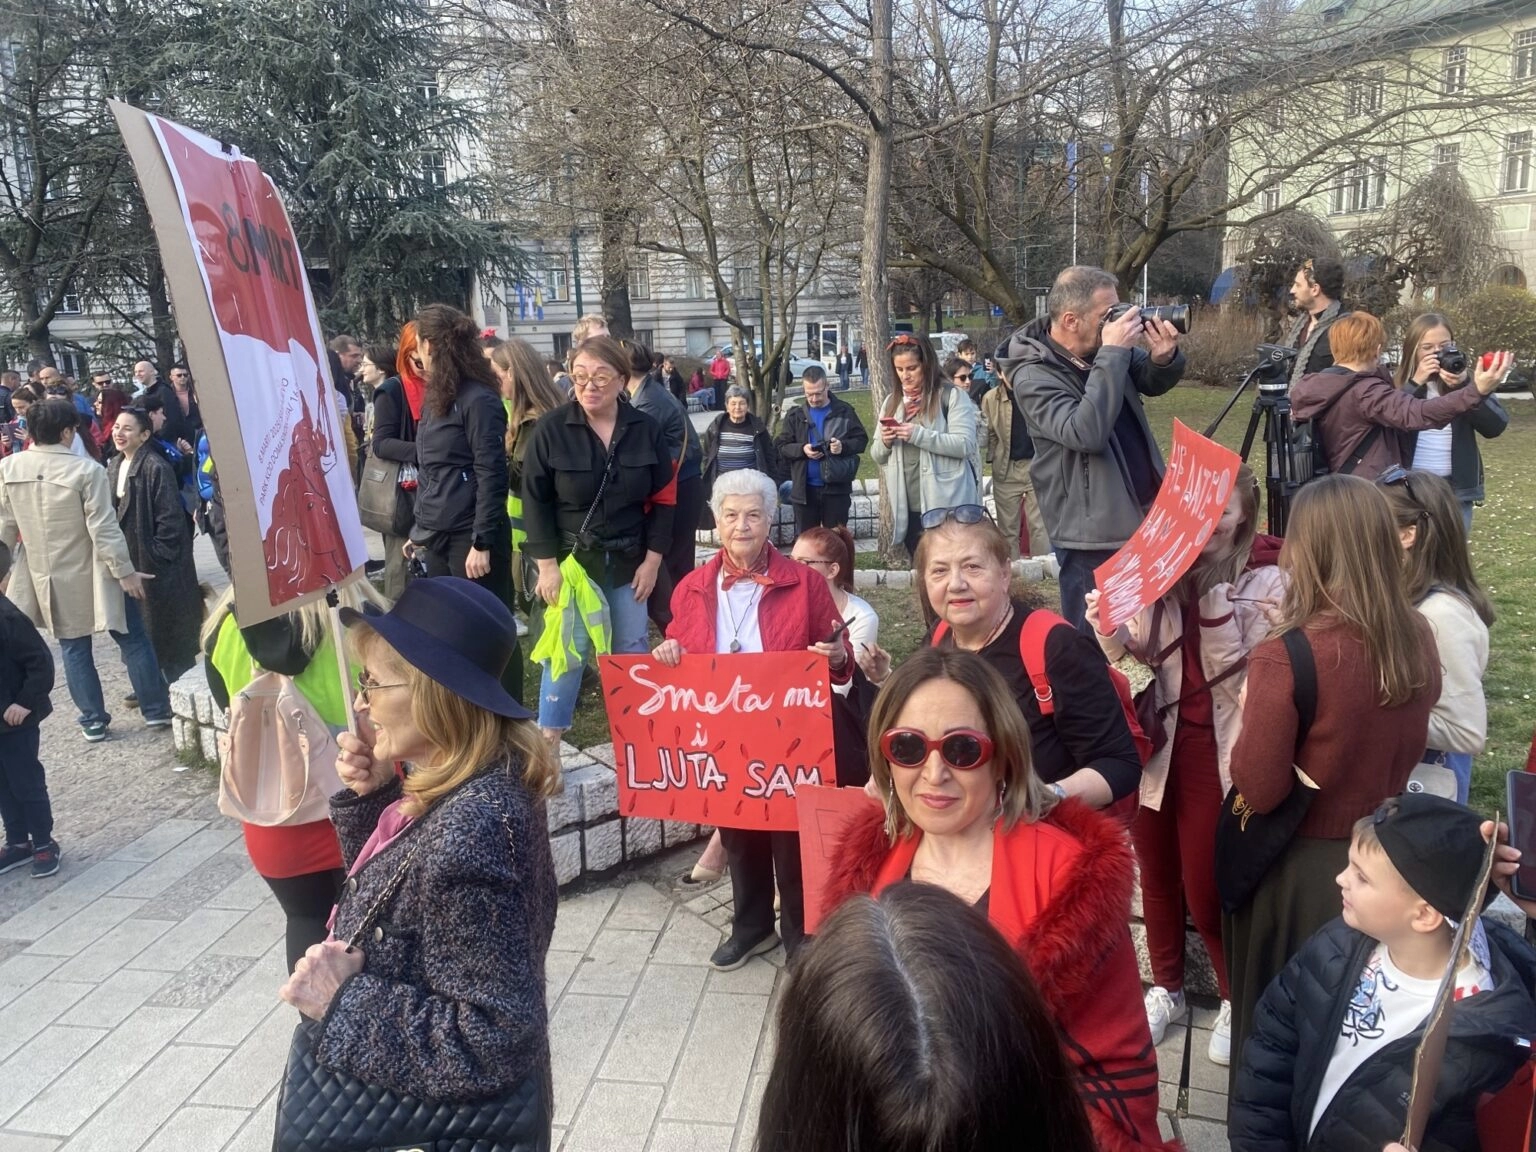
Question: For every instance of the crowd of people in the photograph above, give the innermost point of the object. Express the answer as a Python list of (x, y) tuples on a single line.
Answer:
[(976, 985)]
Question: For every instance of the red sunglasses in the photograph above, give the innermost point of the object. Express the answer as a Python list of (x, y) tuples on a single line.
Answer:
[(963, 749)]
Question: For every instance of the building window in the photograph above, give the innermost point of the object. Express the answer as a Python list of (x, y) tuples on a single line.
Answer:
[(639, 278), (1525, 54), (557, 281), (434, 166), (693, 282), (426, 91), (1453, 71), (69, 303), (1361, 187), (1517, 163), (744, 278), (1367, 93), (1446, 156), (1269, 200), (645, 336)]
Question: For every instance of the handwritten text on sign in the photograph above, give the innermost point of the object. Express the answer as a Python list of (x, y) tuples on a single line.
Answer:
[(722, 740), (1194, 494)]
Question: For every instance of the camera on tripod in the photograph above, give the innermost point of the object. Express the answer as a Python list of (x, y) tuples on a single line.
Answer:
[(1290, 450), (1274, 366), (1175, 314)]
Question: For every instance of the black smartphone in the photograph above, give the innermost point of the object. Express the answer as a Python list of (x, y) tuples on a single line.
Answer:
[(837, 630), (1521, 795)]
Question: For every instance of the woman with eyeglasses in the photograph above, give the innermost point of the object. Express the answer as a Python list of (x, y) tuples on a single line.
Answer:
[(830, 552), (1442, 586), (949, 754), (302, 862), (1451, 451), (599, 486), (1082, 746), (927, 446)]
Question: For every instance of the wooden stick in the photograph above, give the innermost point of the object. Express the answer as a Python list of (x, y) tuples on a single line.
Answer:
[(339, 641)]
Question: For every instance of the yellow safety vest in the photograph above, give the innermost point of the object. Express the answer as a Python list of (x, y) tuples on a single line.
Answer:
[(514, 500), (581, 605), (320, 683)]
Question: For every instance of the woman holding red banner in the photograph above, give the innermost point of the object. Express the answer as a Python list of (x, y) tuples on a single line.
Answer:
[(1196, 640), (949, 755), (749, 598)]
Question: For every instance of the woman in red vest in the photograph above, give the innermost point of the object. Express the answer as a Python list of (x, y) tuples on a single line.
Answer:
[(964, 810)]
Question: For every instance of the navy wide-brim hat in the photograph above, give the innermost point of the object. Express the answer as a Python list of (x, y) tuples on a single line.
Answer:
[(455, 631)]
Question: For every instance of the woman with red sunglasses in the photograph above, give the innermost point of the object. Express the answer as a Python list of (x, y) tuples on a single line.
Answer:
[(964, 810)]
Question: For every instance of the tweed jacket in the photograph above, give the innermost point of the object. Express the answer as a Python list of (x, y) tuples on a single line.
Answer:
[(449, 1004)]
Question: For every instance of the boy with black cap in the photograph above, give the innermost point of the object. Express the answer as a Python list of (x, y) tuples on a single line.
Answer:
[(1330, 1062)]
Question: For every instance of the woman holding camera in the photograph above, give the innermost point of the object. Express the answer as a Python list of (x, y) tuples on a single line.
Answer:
[(1432, 366)]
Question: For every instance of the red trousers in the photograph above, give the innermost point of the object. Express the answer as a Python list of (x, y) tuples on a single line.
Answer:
[(1176, 852)]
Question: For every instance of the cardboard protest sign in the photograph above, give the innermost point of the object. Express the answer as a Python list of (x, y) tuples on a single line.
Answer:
[(825, 814), (1194, 494), (722, 740), (247, 318)]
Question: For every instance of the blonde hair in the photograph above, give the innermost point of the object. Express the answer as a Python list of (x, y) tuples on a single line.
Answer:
[(532, 391), (1227, 564), (467, 738), (1345, 561), (1024, 797), (313, 619)]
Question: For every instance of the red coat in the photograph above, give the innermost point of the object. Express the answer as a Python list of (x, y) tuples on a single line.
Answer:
[(1061, 894), (795, 612)]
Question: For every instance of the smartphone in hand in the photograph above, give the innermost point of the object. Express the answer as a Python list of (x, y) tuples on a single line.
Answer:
[(1521, 794)]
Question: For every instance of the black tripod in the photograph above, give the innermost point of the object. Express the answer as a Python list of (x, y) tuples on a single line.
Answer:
[(1272, 405)]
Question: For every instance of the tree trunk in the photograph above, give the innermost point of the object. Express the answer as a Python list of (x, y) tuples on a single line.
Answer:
[(615, 272), (160, 320), (874, 294)]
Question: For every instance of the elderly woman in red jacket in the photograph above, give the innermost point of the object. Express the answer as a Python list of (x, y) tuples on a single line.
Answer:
[(964, 810), (749, 598)]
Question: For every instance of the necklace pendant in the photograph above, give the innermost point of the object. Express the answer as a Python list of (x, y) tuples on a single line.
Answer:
[(735, 645)]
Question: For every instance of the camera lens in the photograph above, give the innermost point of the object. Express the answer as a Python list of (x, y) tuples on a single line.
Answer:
[(1452, 359)]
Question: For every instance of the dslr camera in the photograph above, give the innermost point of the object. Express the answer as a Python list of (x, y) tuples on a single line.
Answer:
[(1453, 360), (1175, 314)]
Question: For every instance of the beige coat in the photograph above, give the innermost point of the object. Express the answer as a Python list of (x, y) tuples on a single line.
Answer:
[(1233, 622), (69, 551)]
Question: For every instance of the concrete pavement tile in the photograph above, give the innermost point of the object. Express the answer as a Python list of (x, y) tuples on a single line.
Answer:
[(245, 893), (250, 1074), (159, 840), (707, 902), (673, 1137), (720, 918), (1165, 1126), (613, 962), (71, 1100), (114, 999), (85, 927), (35, 1009), (255, 934), (1202, 1073), (755, 977), (16, 1142), (116, 947), (614, 1118), (717, 1059), (578, 1037), (155, 878), (655, 1024), (194, 890), (579, 918), (256, 1135), (232, 1017), (187, 940), (149, 1100), (746, 1130), (559, 967), (46, 1057), (194, 1128), (687, 940), (67, 899), (201, 982), (21, 972), (1202, 1105), (1204, 1135), (640, 906)]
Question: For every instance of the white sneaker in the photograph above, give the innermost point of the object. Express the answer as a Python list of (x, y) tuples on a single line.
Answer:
[(1164, 1008), (1220, 1048)]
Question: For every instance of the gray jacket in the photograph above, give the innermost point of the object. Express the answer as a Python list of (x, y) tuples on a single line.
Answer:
[(1079, 470)]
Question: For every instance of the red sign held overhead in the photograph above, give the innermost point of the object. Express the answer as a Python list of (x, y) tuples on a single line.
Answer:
[(1194, 494), (721, 740)]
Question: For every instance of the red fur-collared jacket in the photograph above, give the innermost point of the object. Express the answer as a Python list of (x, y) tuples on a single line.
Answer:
[(795, 611), (1061, 894)]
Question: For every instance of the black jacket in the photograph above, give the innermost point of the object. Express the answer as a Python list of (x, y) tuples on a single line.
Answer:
[(1297, 1026), (562, 474), (1488, 419), (462, 459), (178, 425), (655, 401), (767, 460), (394, 428), (837, 472), (26, 667)]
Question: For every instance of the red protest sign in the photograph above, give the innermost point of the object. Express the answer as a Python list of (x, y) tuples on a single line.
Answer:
[(1194, 494), (825, 814), (722, 740)]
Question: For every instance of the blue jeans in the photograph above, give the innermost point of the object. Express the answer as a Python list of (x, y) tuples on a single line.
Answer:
[(138, 657), (1461, 764), (628, 620), (1076, 580), (1466, 520)]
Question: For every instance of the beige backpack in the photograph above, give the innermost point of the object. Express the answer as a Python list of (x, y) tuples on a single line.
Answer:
[(278, 759)]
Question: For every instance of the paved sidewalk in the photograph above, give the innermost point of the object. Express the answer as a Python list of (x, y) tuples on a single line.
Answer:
[(138, 1011)]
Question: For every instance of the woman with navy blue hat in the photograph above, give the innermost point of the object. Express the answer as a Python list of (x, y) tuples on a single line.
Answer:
[(432, 982)]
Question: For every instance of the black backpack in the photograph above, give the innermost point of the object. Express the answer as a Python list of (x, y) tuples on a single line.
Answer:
[(1309, 455)]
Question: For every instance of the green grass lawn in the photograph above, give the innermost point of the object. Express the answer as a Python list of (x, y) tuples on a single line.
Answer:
[(1502, 536)]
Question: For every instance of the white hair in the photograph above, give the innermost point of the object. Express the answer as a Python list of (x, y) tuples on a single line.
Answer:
[(745, 482)]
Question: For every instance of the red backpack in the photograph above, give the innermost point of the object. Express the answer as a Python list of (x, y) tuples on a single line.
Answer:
[(1037, 626)]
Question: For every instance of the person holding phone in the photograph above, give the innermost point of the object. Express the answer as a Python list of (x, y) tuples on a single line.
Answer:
[(820, 445)]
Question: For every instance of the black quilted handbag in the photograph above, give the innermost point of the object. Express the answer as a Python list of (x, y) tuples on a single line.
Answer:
[(320, 1110)]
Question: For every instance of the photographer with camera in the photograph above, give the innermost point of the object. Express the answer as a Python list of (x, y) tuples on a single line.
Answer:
[(1078, 376), (1315, 293), (1433, 366), (1360, 414)]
